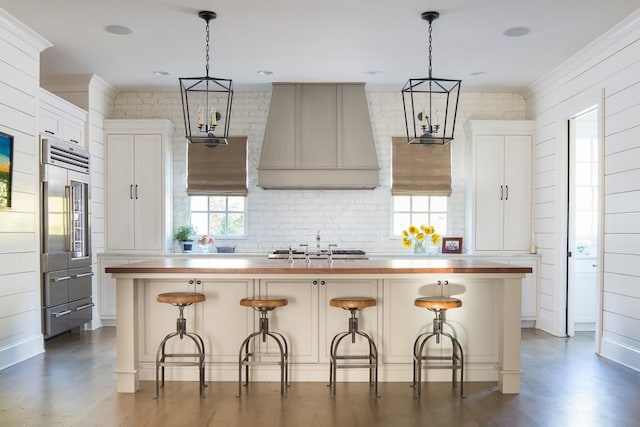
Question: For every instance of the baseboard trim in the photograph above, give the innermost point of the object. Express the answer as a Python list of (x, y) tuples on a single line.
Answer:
[(620, 353), (18, 352)]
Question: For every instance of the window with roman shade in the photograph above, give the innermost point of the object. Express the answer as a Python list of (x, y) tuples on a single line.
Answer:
[(218, 170), (420, 169)]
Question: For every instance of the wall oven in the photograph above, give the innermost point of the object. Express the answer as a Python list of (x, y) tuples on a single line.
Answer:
[(66, 237)]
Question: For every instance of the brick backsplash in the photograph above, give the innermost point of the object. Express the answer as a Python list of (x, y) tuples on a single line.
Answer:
[(350, 218)]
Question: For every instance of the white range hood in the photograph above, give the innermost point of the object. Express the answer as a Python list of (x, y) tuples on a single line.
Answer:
[(318, 136)]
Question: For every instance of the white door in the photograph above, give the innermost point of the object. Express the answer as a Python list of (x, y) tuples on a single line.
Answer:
[(583, 222), (148, 192), (120, 201), (489, 192), (517, 192)]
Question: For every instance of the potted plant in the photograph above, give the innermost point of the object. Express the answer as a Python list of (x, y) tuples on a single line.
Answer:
[(184, 234)]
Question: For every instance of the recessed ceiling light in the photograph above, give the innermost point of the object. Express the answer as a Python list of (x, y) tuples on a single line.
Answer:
[(120, 30), (373, 72), (265, 72), (516, 32), (161, 73), (477, 73)]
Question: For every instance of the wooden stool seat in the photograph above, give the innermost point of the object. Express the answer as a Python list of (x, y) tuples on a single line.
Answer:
[(181, 298), (269, 303), (352, 302), (438, 303)]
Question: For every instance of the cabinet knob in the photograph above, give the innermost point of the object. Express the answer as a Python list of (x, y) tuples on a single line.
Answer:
[(198, 282), (315, 282), (322, 282), (438, 283), (191, 282)]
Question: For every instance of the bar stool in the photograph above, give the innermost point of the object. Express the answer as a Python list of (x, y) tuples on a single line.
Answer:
[(438, 305), (353, 304), (180, 300), (247, 358)]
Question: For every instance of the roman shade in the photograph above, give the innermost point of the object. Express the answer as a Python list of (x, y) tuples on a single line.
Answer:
[(218, 170), (420, 169)]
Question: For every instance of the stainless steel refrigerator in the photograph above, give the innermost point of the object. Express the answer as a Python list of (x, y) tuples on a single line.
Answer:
[(66, 237)]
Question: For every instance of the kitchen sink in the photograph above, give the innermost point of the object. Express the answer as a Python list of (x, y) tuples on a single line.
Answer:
[(322, 254)]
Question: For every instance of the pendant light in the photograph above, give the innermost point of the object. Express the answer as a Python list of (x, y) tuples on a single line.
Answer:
[(430, 104), (206, 102)]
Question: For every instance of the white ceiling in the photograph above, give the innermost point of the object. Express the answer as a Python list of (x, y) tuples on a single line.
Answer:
[(316, 40)]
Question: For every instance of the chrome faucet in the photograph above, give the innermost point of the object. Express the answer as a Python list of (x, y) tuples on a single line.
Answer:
[(290, 259), (306, 252), (330, 258), (318, 242)]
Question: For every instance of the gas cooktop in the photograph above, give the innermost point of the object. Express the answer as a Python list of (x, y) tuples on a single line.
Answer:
[(322, 254)]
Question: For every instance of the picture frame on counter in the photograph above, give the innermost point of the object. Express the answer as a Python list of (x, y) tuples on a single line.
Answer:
[(452, 245), (6, 169)]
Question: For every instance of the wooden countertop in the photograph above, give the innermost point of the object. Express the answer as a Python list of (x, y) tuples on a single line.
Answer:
[(318, 267)]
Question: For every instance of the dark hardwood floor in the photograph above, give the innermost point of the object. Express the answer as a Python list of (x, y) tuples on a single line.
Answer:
[(564, 384)]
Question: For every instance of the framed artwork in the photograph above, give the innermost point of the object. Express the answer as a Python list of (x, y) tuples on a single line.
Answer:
[(6, 169), (452, 245)]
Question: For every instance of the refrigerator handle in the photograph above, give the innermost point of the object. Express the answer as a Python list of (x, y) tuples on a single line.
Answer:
[(69, 216)]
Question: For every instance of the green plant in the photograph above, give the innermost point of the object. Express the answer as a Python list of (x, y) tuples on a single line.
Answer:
[(185, 232)]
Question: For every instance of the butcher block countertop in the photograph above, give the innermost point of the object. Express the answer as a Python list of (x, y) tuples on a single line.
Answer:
[(246, 266)]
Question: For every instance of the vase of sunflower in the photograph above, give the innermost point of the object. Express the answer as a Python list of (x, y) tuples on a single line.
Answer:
[(423, 239)]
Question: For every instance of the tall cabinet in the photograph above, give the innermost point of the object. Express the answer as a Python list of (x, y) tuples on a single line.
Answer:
[(499, 186), (138, 185), (499, 198)]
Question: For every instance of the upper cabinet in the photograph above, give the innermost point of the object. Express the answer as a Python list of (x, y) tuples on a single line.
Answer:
[(499, 185), (138, 185), (318, 135), (61, 119)]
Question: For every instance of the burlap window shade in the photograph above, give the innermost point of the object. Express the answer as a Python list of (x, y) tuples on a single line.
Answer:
[(420, 169), (218, 170)]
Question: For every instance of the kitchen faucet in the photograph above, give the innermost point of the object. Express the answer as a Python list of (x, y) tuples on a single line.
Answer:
[(318, 242)]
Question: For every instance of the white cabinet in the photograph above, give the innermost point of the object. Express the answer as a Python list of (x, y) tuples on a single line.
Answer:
[(107, 286), (138, 185), (403, 321), (61, 119), (499, 186), (309, 323)]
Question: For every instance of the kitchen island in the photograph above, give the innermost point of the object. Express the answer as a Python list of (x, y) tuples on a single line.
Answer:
[(487, 325)]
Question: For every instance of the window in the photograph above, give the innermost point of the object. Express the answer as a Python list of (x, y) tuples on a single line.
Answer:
[(419, 210), (218, 215)]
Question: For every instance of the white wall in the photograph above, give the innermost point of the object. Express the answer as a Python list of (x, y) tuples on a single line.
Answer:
[(351, 218), (96, 96), (20, 330), (610, 64)]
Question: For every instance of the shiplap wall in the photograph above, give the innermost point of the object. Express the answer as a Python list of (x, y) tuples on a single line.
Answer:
[(20, 331), (96, 96), (610, 65), (350, 218)]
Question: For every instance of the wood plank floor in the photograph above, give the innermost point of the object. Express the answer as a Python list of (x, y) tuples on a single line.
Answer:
[(565, 384)]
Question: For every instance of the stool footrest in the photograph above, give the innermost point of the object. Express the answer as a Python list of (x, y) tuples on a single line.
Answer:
[(355, 365)]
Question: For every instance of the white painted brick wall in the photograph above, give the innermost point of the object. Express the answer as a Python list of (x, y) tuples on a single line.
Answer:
[(350, 218)]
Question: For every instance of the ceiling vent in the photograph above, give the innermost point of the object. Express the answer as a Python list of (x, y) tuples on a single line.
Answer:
[(318, 136)]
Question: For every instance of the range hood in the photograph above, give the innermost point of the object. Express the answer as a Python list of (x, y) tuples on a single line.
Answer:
[(318, 136)]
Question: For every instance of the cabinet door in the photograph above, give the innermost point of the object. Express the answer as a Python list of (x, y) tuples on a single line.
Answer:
[(73, 131), (298, 321), (335, 320), (120, 202), (517, 203), (148, 192), (220, 320), (489, 192), (49, 122)]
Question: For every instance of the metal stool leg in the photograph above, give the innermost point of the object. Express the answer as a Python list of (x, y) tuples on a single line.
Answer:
[(162, 355)]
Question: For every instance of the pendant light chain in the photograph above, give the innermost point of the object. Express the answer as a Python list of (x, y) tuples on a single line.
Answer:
[(207, 49), (430, 49)]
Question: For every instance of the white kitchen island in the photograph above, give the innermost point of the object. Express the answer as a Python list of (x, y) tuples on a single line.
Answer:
[(487, 325)]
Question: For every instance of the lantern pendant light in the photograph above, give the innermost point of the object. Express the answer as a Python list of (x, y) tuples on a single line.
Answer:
[(430, 104), (206, 102)]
